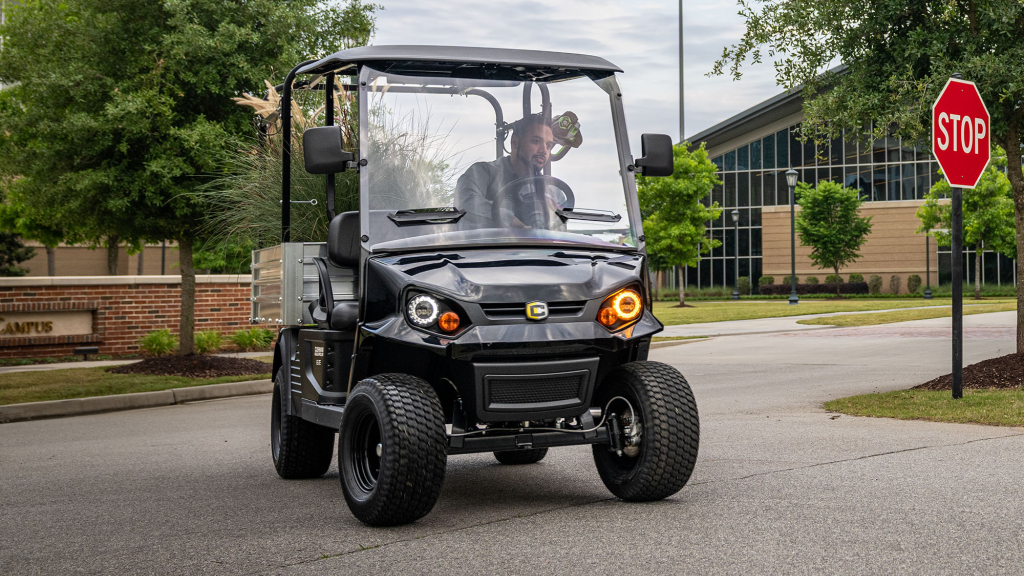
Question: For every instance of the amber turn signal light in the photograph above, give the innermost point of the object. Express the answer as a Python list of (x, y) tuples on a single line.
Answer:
[(607, 316), (449, 322)]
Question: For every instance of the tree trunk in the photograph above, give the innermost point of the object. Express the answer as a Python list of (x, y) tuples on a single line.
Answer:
[(186, 328), (682, 289), (141, 252), (112, 249), (657, 284), (836, 278), (1013, 170), (51, 260), (977, 272)]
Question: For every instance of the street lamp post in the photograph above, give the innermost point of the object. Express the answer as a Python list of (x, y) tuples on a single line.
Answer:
[(791, 177), (736, 254)]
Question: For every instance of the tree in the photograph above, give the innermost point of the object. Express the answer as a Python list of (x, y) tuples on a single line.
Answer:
[(673, 214), (123, 105), (988, 215), (830, 224), (898, 56), (12, 253)]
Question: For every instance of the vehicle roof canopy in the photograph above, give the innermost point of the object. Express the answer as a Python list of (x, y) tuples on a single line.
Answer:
[(466, 62)]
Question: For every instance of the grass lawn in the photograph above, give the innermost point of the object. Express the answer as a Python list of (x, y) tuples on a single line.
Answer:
[(69, 383), (747, 310), (995, 407), (905, 315)]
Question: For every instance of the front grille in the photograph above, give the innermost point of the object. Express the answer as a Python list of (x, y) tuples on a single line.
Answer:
[(544, 390), (517, 310)]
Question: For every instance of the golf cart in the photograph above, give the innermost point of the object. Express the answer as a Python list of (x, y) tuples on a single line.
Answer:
[(489, 295)]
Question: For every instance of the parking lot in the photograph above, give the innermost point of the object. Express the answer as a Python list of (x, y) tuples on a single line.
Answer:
[(780, 485)]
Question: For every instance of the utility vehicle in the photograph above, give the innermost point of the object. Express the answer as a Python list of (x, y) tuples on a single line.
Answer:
[(489, 295)]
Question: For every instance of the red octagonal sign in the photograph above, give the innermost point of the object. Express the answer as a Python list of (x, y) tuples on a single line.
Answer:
[(961, 133)]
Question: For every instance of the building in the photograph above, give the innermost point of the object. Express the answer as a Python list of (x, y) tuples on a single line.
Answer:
[(755, 148)]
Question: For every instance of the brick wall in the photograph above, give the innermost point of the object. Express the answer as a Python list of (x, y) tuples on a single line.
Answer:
[(124, 309)]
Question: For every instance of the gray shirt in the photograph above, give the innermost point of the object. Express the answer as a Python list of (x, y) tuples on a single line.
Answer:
[(476, 189)]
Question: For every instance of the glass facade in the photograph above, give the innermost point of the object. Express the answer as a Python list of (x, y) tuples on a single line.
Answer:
[(753, 176)]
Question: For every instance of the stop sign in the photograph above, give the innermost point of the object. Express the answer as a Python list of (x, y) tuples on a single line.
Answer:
[(960, 133)]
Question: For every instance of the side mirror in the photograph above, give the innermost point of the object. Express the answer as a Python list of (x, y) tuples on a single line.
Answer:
[(657, 159), (321, 150)]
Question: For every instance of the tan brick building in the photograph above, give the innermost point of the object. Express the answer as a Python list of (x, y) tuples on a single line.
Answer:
[(755, 148)]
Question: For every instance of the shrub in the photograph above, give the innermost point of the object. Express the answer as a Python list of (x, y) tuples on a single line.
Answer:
[(913, 283), (875, 285), (787, 280), (766, 281), (783, 289), (856, 278), (743, 285), (253, 339), (833, 279), (894, 284), (208, 342), (811, 280), (158, 342)]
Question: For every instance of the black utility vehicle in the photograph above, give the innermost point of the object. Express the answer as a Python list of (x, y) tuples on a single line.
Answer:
[(489, 295)]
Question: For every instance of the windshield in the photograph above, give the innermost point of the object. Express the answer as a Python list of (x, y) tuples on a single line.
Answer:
[(457, 161)]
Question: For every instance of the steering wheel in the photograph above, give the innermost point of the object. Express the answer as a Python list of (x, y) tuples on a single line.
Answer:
[(532, 202)]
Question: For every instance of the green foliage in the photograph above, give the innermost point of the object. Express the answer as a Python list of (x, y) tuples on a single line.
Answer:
[(913, 283), (833, 279), (988, 211), (875, 284), (254, 338), (856, 278), (830, 224), (743, 285), (229, 255), (12, 253), (788, 280), (158, 342), (208, 342), (811, 280), (673, 214), (894, 283), (766, 281)]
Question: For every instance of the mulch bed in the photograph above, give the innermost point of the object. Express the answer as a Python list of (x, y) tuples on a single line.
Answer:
[(194, 366), (1004, 372)]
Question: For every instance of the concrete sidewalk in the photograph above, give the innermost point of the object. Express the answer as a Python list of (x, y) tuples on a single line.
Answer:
[(789, 323)]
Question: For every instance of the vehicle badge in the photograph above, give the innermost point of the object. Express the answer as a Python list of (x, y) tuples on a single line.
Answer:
[(537, 310)]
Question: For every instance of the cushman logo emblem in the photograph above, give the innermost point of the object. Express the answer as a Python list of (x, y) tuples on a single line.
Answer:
[(537, 310)]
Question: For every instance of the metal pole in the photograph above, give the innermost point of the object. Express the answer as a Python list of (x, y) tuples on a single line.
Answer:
[(956, 257), (329, 121), (286, 153), (163, 258), (927, 267), (736, 258), (682, 108), (793, 298)]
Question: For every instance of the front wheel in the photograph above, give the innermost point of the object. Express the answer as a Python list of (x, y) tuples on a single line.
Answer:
[(392, 450), (660, 431)]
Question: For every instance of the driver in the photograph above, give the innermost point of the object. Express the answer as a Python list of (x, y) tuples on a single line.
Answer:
[(531, 144)]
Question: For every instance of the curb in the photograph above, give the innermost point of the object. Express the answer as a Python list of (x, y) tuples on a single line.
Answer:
[(666, 343), (97, 404)]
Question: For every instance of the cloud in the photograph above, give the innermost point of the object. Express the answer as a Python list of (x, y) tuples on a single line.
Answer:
[(640, 37)]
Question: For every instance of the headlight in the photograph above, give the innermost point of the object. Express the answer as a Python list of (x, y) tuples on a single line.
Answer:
[(434, 314), (620, 309), (423, 310)]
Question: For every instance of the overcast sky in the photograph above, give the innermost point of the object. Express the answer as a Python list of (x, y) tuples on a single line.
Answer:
[(641, 37)]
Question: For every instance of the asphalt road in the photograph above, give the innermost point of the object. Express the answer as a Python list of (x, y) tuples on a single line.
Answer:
[(781, 486)]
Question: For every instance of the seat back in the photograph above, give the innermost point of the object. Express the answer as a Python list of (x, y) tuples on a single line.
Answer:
[(343, 240)]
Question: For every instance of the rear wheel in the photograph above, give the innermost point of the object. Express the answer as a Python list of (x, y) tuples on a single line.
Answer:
[(300, 449), (657, 415), (529, 456), (392, 450)]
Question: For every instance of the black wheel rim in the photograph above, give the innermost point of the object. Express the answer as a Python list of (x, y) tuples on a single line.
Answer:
[(365, 460), (275, 424)]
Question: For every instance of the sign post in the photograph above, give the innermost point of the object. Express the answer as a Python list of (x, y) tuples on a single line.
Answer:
[(961, 142)]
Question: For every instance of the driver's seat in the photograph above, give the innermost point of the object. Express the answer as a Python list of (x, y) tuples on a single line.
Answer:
[(343, 252)]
